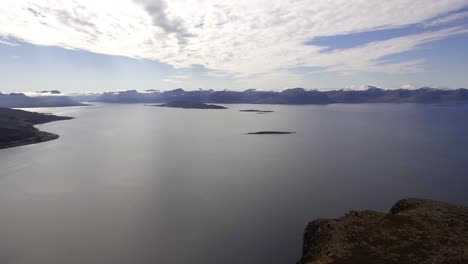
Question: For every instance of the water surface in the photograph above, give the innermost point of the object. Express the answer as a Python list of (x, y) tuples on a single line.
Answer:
[(138, 184)]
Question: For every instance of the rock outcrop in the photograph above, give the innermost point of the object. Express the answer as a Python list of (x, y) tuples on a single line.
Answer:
[(414, 231)]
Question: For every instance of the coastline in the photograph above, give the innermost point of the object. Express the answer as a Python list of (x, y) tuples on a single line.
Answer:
[(40, 137), (17, 127)]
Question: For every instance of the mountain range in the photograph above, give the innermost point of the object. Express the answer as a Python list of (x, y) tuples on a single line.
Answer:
[(293, 96), (19, 100)]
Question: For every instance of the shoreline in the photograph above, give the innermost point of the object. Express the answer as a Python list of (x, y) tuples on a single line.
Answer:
[(41, 137), (17, 127)]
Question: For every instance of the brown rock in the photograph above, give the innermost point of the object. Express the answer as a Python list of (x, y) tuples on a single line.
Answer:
[(414, 231)]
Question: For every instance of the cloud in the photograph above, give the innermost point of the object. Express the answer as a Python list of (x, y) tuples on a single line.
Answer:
[(407, 86), (44, 93), (176, 78), (355, 87), (217, 74), (446, 20), (281, 80), (255, 42), (3, 42), (158, 10), (373, 57)]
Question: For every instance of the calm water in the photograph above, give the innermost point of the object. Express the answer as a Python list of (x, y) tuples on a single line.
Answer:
[(138, 184)]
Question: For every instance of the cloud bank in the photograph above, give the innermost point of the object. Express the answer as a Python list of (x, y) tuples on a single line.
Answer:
[(254, 41)]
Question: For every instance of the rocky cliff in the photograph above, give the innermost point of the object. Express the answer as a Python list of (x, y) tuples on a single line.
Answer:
[(414, 231)]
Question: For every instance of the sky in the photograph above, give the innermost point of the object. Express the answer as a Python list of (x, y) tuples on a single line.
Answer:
[(78, 46)]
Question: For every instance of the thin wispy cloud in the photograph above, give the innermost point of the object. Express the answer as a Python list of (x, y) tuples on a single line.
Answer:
[(4, 42), (371, 57), (446, 20), (254, 42), (176, 78), (407, 86)]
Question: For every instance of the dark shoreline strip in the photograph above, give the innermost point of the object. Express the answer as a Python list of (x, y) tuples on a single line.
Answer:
[(256, 111), (270, 133)]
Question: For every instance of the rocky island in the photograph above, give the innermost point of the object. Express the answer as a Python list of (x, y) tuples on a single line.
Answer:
[(256, 111), (190, 105), (270, 133), (17, 127), (414, 231)]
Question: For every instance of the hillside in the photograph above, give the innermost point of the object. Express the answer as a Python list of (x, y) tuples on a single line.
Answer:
[(17, 127)]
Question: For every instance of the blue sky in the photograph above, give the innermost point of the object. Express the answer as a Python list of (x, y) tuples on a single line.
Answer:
[(86, 46)]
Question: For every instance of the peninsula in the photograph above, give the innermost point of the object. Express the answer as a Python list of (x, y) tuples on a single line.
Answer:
[(17, 127)]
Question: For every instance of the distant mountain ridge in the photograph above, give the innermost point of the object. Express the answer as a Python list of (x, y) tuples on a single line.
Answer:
[(295, 96), (19, 100)]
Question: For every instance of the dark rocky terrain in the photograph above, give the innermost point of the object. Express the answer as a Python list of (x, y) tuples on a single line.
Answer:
[(296, 96), (270, 133), (256, 111), (190, 105), (17, 127), (19, 100), (414, 231)]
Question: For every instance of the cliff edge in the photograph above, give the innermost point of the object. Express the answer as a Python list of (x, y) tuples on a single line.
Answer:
[(414, 231)]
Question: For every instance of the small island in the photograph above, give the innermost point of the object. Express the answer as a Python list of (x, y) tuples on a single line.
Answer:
[(190, 105), (270, 133), (17, 127), (256, 111)]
